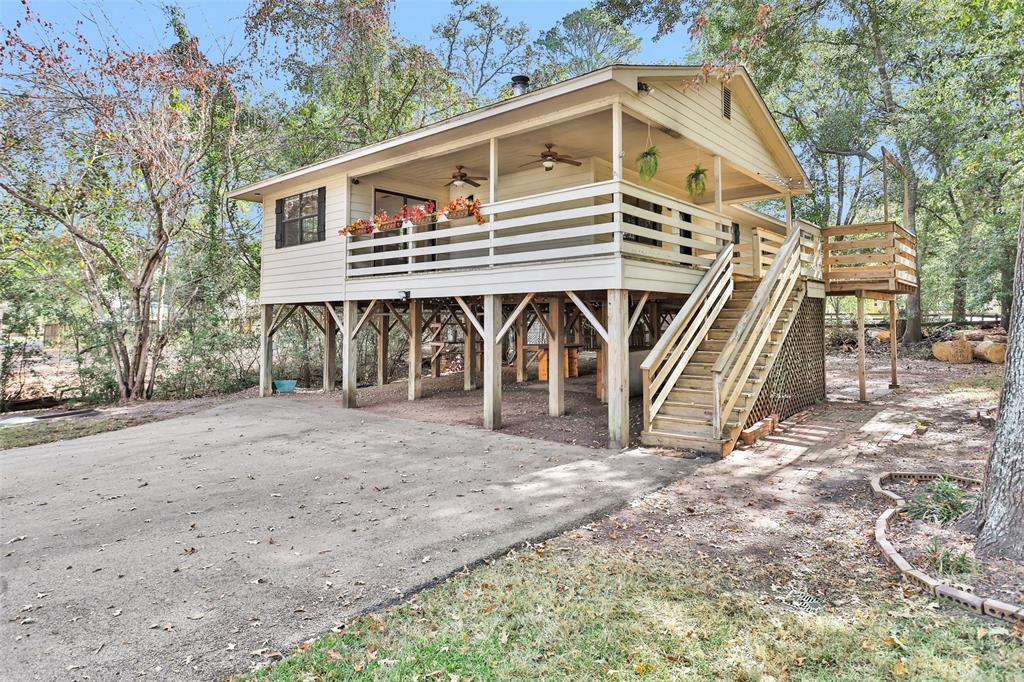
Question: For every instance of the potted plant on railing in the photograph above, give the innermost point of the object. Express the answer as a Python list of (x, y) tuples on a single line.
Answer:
[(460, 208), (423, 215)]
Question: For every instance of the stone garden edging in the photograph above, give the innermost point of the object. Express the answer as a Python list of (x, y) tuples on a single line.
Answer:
[(995, 608)]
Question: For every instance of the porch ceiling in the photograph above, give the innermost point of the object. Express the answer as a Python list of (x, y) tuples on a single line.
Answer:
[(582, 138)]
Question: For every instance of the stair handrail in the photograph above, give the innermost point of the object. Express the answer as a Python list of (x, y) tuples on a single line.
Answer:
[(774, 289), (680, 340)]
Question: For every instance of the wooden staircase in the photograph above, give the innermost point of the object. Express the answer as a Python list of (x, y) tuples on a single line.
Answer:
[(702, 378)]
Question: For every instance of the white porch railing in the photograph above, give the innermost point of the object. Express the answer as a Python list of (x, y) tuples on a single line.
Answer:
[(602, 218)]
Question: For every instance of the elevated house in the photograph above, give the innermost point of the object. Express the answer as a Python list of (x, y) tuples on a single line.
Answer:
[(532, 210)]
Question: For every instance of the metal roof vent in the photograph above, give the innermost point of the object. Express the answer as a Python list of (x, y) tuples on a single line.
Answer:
[(520, 84)]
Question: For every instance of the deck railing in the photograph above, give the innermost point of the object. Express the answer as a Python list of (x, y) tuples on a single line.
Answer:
[(753, 332), (752, 259), (602, 218), (871, 256), (665, 363)]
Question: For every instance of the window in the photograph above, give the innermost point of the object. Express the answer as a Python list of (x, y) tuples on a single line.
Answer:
[(393, 202), (300, 218), (642, 222), (726, 103)]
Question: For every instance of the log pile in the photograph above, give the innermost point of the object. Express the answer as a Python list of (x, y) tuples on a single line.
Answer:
[(968, 345)]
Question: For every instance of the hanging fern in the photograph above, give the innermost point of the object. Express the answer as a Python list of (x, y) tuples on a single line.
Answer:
[(697, 181), (647, 163)]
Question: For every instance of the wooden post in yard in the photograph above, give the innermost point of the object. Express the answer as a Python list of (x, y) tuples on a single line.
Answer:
[(266, 351), (415, 349), (349, 361), (893, 383), (469, 374), (521, 348), (556, 358), (383, 338), (492, 362), (330, 349), (860, 347), (617, 362)]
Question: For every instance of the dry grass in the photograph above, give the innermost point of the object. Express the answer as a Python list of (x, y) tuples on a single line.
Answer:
[(51, 430), (979, 387), (593, 614)]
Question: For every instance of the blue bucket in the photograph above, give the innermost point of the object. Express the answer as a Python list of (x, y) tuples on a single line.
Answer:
[(285, 385)]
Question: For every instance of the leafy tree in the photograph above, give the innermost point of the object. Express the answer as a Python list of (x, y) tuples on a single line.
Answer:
[(582, 41), (481, 49)]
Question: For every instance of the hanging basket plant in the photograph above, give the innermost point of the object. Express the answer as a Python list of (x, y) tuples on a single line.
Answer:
[(647, 163), (697, 182)]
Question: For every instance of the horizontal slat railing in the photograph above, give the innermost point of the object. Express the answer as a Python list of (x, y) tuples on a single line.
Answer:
[(665, 363), (577, 222), (753, 331), (868, 254)]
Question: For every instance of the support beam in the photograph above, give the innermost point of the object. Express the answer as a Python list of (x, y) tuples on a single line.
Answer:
[(469, 315), (492, 362), (266, 350), (349, 361), (716, 170), (861, 380), (617, 140), (637, 312), (470, 377), (521, 348), (383, 341), (617, 361), (330, 349), (893, 382), (589, 314), (556, 358), (415, 349)]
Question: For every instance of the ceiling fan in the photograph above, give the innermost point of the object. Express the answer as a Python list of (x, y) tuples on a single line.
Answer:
[(549, 157), (460, 178)]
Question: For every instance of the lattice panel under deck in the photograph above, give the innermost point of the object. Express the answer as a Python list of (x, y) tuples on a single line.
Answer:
[(797, 380)]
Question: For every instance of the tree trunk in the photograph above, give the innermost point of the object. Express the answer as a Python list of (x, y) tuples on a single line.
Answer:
[(1001, 508), (912, 333)]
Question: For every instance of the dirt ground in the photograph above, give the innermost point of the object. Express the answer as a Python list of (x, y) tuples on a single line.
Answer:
[(795, 511)]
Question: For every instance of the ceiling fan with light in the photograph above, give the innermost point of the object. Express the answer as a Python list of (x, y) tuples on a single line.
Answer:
[(549, 157), (460, 178)]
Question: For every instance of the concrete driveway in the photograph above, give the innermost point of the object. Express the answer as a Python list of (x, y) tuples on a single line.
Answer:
[(192, 548)]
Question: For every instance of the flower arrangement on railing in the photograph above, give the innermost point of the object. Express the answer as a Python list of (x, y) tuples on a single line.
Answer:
[(407, 216)]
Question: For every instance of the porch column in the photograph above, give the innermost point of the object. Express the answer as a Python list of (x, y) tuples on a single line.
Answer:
[(616, 140), (415, 349), (469, 373), (349, 362), (266, 350), (556, 361), (330, 349), (383, 339), (492, 362), (716, 165), (617, 388), (521, 348)]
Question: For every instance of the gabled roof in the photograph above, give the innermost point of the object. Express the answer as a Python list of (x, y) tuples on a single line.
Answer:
[(625, 75)]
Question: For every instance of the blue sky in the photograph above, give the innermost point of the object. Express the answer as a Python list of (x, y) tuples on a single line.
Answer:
[(218, 23)]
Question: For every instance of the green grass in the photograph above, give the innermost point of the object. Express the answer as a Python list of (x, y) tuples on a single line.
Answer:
[(63, 428), (941, 500), (950, 563), (593, 615), (977, 387)]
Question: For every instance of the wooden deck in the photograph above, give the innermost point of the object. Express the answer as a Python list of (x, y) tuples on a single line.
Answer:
[(869, 257)]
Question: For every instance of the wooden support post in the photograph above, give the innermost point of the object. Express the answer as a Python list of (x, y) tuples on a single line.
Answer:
[(861, 379), (521, 348), (349, 361), (617, 362), (492, 362), (893, 383), (330, 349), (415, 349), (755, 253), (556, 359), (469, 369), (266, 351), (617, 140), (602, 349), (716, 169), (436, 332), (383, 341)]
